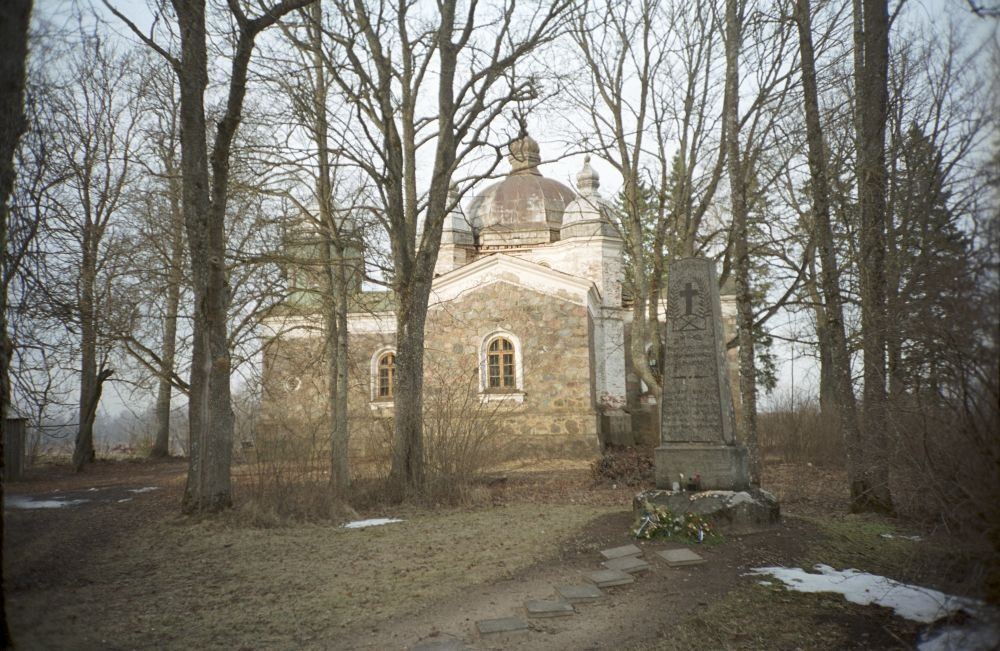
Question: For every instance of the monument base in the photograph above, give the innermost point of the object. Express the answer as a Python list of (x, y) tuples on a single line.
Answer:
[(732, 512), (721, 467)]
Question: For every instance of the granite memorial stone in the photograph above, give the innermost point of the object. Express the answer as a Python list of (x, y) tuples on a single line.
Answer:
[(696, 426)]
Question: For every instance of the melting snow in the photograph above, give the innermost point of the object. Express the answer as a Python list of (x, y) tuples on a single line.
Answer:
[(144, 490), (895, 535), (371, 522), (13, 502), (912, 602)]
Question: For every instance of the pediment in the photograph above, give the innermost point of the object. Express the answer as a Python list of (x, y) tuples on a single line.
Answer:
[(502, 268)]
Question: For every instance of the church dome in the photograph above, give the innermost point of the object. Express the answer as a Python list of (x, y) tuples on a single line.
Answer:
[(523, 208), (590, 213)]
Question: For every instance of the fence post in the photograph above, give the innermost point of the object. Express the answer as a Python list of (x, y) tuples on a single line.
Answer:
[(13, 448)]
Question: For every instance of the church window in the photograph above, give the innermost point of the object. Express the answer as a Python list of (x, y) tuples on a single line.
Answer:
[(500, 363), (385, 377), (501, 375)]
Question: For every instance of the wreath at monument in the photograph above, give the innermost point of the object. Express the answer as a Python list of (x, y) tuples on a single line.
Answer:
[(660, 522)]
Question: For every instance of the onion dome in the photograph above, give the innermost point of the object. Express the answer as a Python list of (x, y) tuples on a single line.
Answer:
[(525, 208), (589, 214)]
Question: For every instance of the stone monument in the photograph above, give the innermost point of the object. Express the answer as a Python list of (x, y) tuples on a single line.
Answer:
[(697, 443)]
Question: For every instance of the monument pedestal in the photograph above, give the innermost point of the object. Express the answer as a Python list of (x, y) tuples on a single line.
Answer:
[(616, 428), (721, 467)]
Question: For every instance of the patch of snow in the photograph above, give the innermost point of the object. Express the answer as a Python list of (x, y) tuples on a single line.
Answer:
[(371, 522), (126, 499), (765, 583), (925, 605), (15, 502), (909, 601), (91, 490), (144, 490), (892, 535)]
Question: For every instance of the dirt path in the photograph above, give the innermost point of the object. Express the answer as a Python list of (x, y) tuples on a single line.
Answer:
[(631, 615)]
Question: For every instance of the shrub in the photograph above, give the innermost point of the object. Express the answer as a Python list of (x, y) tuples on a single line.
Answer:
[(628, 466), (796, 431)]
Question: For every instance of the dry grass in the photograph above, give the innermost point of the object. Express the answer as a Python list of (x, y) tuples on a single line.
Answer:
[(311, 581), (139, 576)]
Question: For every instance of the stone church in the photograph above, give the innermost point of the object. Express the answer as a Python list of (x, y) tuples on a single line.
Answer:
[(527, 324)]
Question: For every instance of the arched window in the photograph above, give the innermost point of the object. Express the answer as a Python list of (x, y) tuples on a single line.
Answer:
[(501, 373), (501, 370), (385, 376)]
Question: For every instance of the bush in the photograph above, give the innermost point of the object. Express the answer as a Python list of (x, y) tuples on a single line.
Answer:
[(796, 431), (287, 478), (628, 466)]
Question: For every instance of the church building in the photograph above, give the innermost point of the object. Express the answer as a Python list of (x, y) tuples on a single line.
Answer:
[(526, 328)]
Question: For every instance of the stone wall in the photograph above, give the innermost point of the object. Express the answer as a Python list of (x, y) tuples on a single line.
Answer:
[(553, 413), (294, 396)]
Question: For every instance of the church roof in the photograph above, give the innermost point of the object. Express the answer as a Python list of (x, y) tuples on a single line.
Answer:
[(524, 200)]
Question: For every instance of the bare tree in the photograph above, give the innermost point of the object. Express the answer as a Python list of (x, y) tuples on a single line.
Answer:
[(89, 131), (423, 79), (163, 236), (329, 231), (830, 317), (740, 215), (620, 91), (868, 467), (205, 172)]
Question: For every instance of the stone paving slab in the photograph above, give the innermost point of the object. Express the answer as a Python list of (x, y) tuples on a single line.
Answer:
[(548, 608), (608, 578), (442, 643), (501, 625), (681, 557), (619, 552), (580, 593), (629, 564)]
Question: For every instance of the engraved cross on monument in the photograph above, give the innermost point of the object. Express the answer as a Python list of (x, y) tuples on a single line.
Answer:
[(696, 424)]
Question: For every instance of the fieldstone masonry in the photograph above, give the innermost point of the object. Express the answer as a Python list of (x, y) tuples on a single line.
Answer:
[(696, 436)]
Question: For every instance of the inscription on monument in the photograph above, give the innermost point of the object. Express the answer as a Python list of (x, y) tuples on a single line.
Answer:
[(696, 401)]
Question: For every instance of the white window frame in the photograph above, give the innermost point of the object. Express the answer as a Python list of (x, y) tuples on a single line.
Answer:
[(488, 394), (378, 402)]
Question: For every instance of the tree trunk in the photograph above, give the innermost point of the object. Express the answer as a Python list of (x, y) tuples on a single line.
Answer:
[(870, 476), (340, 469), (408, 451), (88, 414), (209, 484), (334, 272), (83, 450), (832, 332), (737, 191), (14, 19), (210, 409), (161, 446), (828, 400)]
